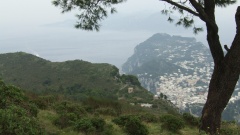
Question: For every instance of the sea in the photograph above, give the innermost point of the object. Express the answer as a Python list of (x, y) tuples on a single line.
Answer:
[(63, 44)]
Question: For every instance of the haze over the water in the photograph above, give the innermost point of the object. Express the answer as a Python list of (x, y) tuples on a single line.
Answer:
[(39, 28)]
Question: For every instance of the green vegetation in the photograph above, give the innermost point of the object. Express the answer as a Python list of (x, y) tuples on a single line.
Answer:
[(88, 108), (190, 120), (131, 125), (17, 113), (172, 123), (23, 112), (76, 79)]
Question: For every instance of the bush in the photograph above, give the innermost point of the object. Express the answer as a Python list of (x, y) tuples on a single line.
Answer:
[(134, 127), (17, 114), (108, 130), (191, 120), (98, 124), (92, 104), (84, 125), (229, 128), (92, 125), (130, 79), (227, 131), (41, 104), (15, 121), (122, 120), (66, 120), (172, 123), (148, 117), (131, 125), (68, 107), (106, 111)]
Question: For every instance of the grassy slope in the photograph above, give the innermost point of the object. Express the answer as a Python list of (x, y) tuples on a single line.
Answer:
[(77, 79), (22, 68), (46, 117)]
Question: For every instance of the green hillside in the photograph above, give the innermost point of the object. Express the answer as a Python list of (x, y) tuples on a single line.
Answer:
[(76, 79), (28, 113)]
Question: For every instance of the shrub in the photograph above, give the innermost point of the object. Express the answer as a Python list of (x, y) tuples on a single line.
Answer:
[(122, 120), (227, 131), (66, 120), (148, 117), (41, 104), (191, 120), (17, 114), (84, 125), (229, 128), (15, 121), (91, 125), (93, 104), (134, 127), (130, 79), (68, 107), (171, 122), (108, 130), (98, 124), (106, 111), (131, 125)]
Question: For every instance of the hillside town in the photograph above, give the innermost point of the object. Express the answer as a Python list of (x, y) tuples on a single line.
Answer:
[(183, 76)]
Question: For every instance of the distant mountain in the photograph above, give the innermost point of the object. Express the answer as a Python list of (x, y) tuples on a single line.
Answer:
[(179, 67), (162, 55), (76, 79)]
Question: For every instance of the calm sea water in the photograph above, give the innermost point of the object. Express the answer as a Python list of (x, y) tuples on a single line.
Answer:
[(61, 44)]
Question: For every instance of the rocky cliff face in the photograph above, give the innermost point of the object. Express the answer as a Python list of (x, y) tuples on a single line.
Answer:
[(163, 55), (179, 67)]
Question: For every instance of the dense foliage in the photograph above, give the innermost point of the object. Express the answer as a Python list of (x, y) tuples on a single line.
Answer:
[(191, 120), (76, 79), (20, 115), (17, 113), (172, 123), (131, 125)]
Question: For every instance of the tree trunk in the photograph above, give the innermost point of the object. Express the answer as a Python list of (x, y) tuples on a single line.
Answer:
[(224, 78), (221, 88)]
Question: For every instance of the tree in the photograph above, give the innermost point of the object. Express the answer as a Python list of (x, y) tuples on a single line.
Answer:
[(226, 67)]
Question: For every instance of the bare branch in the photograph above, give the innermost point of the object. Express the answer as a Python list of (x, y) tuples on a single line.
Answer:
[(181, 7)]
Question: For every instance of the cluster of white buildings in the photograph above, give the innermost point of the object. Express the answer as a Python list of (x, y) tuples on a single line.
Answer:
[(182, 90), (187, 85), (188, 88)]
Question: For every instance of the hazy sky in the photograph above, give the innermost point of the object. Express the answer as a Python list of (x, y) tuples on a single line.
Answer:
[(22, 29), (35, 12)]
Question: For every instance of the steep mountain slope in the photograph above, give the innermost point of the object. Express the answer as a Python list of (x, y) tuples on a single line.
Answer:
[(76, 79), (179, 67), (163, 54)]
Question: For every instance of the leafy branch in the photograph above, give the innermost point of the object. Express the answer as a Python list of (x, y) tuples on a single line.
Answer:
[(91, 11)]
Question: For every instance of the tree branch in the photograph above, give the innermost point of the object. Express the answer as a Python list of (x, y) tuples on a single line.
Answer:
[(232, 58), (237, 19), (206, 13), (181, 7)]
